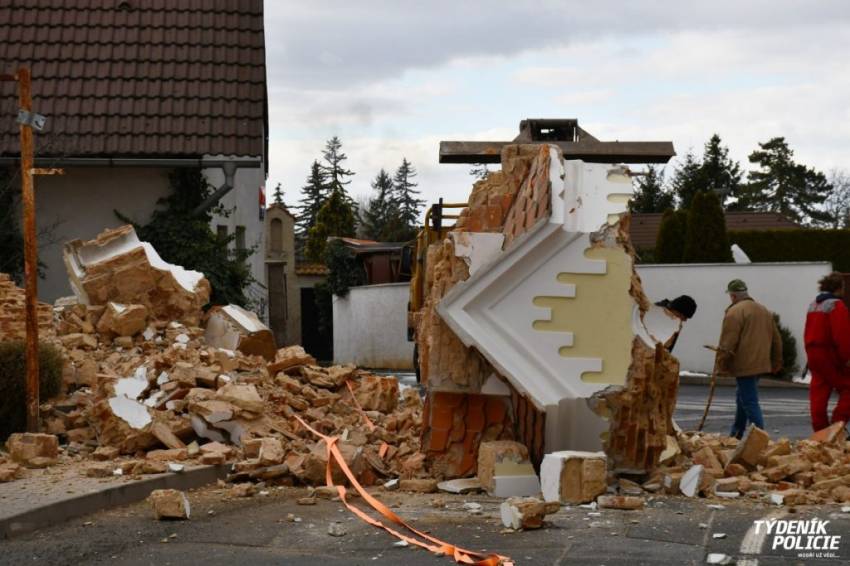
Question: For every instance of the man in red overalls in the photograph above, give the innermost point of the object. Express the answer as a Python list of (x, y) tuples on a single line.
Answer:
[(827, 339)]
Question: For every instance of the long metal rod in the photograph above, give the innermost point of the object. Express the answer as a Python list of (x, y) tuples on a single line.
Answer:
[(30, 252)]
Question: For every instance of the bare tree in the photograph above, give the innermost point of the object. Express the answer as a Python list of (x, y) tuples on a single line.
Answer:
[(837, 204)]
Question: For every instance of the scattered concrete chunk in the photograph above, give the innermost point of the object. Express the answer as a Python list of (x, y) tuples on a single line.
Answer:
[(625, 502), (123, 320), (833, 434), (233, 328), (290, 357), (376, 393), (525, 512), (336, 529), (751, 448), (9, 471), (691, 480), (245, 397), (460, 485), (169, 504), (117, 267), (33, 449), (164, 434), (573, 477), (502, 457)]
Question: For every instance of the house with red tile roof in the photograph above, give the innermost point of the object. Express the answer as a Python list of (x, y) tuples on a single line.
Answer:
[(133, 89)]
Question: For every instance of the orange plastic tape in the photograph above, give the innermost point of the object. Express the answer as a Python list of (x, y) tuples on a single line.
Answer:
[(435, 545), (369, 423)]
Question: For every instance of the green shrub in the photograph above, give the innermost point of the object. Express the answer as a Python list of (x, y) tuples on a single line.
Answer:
[(705, 237), (796, 245), (13, 382), (789, 351), (670, 242)]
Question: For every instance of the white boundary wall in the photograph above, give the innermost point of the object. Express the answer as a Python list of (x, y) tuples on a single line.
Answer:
[(370, 327), (785, 288)]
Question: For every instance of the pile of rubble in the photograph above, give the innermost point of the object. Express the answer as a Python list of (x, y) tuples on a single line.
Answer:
[(812, 471), (148, 389)]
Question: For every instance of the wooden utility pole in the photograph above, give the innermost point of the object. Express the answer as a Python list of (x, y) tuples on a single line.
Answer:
[(29, 120), (30, 249)]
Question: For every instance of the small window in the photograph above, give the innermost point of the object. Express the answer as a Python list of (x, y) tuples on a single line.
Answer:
[(276, 235), (240, 238), (221, 230)]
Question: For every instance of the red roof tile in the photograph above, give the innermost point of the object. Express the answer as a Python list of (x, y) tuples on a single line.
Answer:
[(643, 228), (138, 78)]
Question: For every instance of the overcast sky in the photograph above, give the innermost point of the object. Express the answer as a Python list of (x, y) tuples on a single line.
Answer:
[(393, 78)]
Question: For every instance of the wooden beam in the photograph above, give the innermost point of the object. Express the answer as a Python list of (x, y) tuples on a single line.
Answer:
[(588, 150)]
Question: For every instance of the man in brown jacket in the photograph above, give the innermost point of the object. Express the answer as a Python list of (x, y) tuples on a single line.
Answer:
[(750, 347)]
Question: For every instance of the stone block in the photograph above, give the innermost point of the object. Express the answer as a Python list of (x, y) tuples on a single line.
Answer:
[(169, 504), (33, 449), (751, 449), (525, 512), (573, 476), (503, 458)]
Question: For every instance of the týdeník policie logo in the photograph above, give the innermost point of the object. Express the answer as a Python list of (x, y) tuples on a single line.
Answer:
[(810, 538)]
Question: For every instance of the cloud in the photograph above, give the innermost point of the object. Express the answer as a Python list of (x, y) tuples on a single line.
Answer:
[(340, 44), (393, 80)]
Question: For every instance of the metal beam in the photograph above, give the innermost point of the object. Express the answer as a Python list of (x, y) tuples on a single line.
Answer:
[(587, 150)]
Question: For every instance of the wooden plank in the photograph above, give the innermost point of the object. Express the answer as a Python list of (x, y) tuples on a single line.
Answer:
[(588, 150)]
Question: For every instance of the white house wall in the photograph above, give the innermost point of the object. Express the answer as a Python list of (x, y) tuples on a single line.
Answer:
[(370, 327), (243, 202), (784, 288), (81, 204)]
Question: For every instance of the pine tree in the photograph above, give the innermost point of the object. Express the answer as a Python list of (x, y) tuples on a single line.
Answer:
[(375, 217), (335, 218), (278, 194), (781, 185), (705, 237), (336, 174), (717, 172), (670, 242), (315, 193), (406, 200), (650, 195), (686, 180)]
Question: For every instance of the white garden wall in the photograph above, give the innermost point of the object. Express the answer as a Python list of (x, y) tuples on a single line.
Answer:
[(785, 288), (370, 327)]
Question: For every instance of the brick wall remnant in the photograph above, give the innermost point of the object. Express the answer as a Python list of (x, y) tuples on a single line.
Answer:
[(13, 313)]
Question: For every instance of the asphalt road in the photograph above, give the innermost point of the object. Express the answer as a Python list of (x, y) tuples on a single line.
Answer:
[(256, 532), (273, 529), (786, 411)]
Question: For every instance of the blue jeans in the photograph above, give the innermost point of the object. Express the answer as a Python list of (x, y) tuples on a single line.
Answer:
[(747, 403)]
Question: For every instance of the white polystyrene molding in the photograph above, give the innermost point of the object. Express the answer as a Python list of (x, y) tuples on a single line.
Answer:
[(476, 248), (656, 325), (595, 194), (494, 311), (495, 386), (130, 411)]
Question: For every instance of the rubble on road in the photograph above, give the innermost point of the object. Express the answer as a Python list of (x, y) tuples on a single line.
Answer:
[(812, 471), (170, 388), (152, 384)]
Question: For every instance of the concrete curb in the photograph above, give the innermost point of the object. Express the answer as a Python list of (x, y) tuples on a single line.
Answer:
[(107, 498), (730, 382)]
